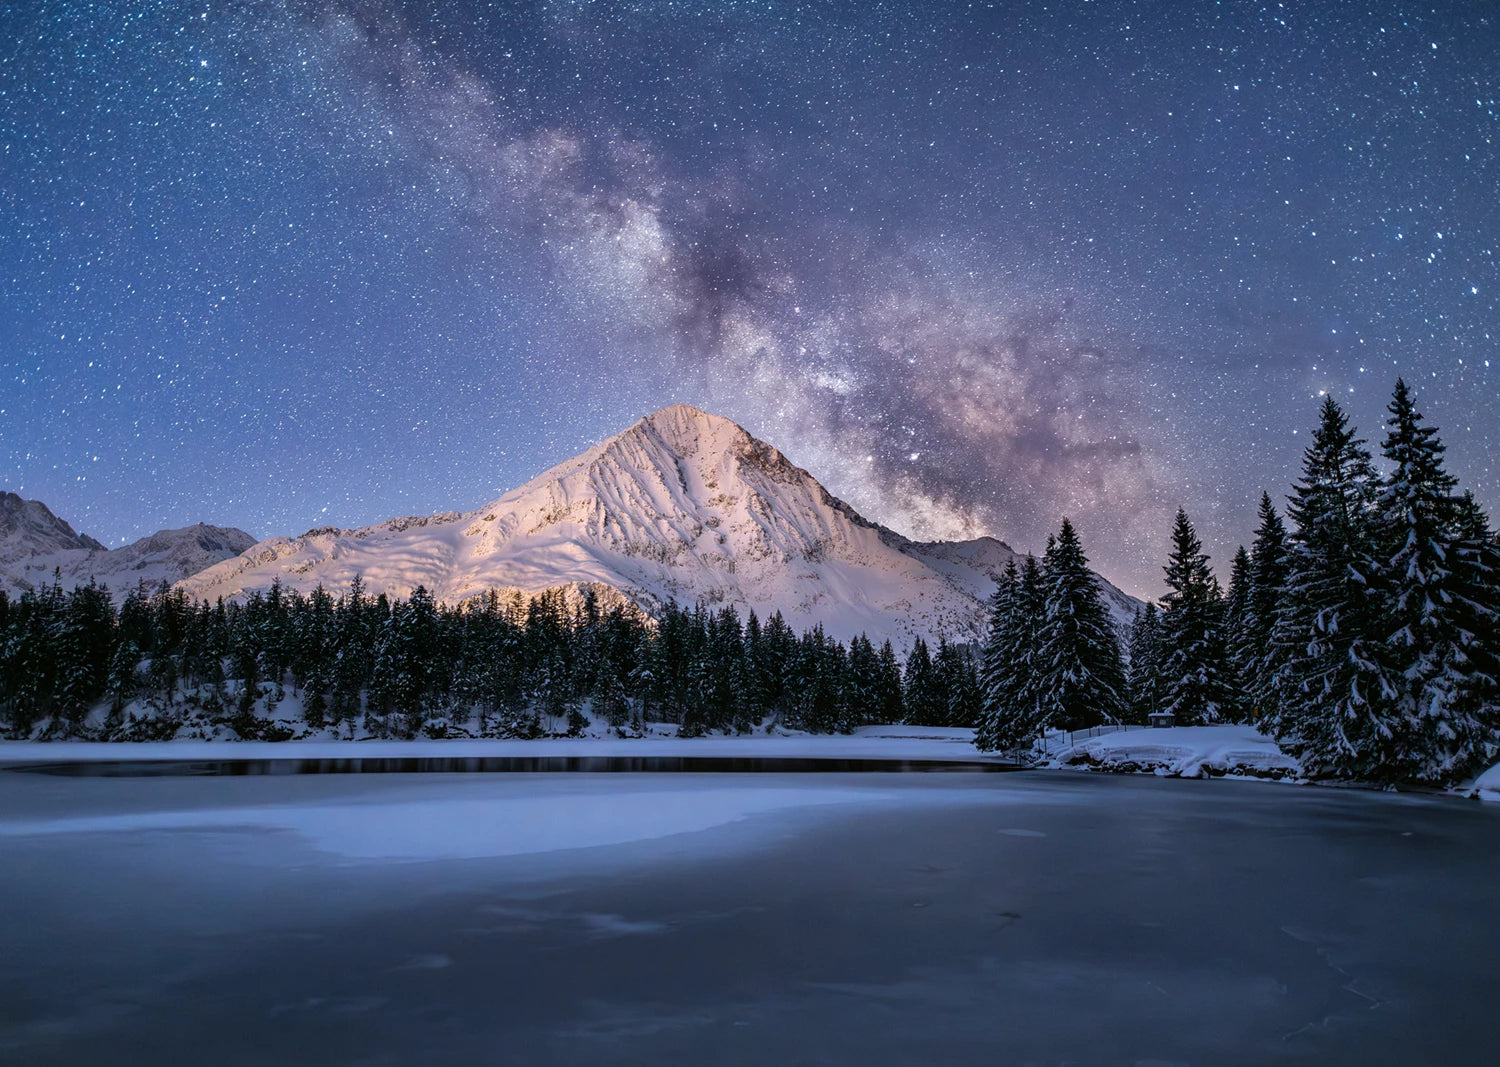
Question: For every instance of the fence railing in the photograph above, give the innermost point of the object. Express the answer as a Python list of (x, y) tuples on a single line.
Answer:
[(1057, 740)]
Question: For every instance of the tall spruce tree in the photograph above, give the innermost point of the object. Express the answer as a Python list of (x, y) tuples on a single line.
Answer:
[(1268, 564), (1441, 729), (1144, 675), (1331, 702), (1476, 590), (1002, 722), (1241, 650), (888, 704), (1195, 685), (920, 696), (1080, 676)]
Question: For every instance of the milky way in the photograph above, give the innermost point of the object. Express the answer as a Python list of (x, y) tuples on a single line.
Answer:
[(974, 266)]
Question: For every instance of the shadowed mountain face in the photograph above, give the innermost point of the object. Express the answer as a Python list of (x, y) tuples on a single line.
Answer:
[(682, 506), (36, 545), (28, 527)]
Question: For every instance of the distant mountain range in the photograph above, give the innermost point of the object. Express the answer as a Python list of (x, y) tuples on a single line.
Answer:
[(683, 506), (36, 545)]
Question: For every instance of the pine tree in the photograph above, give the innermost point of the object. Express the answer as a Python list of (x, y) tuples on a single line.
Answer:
[(1008, 709), (1476, 590), (920, 690), (1268, 572), (997, 715), (957, 689), (1145, 670), (1330, 701), (1241, 651), (888, 700), (1195, 689), (1080, 675), (1441, 732)]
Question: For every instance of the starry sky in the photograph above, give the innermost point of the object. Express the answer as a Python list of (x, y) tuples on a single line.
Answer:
[(976, 266)]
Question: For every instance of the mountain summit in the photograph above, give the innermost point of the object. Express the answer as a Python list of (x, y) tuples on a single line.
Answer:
[(683, 506)]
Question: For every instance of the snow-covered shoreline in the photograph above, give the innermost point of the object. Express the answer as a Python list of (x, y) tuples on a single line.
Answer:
[(945, 744), (1238, 751), (1177, 752)]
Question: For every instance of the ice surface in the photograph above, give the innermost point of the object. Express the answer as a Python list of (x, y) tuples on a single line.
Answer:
[(959, 918)]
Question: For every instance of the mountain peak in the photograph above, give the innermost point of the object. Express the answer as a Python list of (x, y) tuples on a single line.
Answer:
[(686, 429), (682, 506), (33, 527), (37, 547)]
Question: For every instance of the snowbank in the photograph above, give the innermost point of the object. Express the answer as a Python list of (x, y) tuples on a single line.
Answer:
[(1487, 785), (1178, 752), (869, 742)]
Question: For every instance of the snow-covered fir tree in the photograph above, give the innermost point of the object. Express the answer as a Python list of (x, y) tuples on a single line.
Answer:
[(1241, 652), (1476, 588), (1196, 686), (1332, 704), (1010, 714), (1000, 726), (920, 696), (957, 683), (1144, 672), (1442, 725), (1267, 579), (1079, 672)]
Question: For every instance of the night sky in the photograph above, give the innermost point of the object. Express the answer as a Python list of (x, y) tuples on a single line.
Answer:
[(975, 266)]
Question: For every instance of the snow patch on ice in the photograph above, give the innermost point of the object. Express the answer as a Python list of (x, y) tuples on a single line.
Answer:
[(501, 823)]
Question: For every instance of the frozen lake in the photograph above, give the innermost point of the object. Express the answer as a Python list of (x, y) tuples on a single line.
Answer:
[(745, 919)]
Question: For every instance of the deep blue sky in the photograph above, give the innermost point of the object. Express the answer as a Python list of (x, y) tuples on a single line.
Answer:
[(975, 266)]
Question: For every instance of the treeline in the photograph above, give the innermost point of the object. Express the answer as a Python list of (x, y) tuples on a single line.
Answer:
[(356, 665), (1364, 638)]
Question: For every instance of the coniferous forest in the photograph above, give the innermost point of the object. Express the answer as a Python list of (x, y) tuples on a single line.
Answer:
[(515, 667), (1363, 635), (1360, 631)]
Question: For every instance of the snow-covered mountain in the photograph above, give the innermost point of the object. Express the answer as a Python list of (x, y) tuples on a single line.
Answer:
[(35, 544), (682, 506)]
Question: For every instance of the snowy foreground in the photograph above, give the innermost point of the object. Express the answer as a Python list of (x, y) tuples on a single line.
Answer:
[(645, 919)]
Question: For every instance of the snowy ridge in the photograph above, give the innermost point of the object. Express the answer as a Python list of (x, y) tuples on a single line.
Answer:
[(35, 544), (683, 506)]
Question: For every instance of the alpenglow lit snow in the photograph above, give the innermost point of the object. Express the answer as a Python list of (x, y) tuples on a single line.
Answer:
[(682, 506)]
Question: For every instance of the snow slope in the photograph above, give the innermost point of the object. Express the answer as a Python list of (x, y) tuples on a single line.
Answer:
[(683, 506), (1487, 785), (35, 544)]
